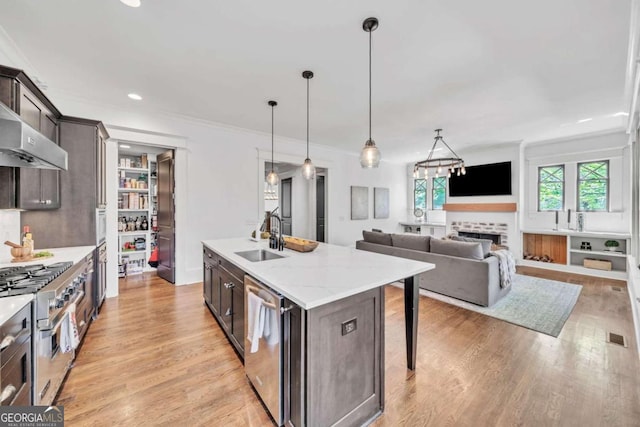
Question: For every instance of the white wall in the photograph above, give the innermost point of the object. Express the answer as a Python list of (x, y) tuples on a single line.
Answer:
[(613, 147), (10, 227), (220, 182)]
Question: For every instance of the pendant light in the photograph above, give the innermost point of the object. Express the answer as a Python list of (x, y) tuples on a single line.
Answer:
[(272, 178), (370, 155), (308, 170)]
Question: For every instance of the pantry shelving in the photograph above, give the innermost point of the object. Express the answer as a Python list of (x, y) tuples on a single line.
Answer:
[(136, 207)]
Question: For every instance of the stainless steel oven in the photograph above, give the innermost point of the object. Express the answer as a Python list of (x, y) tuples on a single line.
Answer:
[(101, 226), (52, 310), (51, 363)]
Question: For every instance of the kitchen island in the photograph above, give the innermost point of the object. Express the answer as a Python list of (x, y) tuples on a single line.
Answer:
[(332, 333)]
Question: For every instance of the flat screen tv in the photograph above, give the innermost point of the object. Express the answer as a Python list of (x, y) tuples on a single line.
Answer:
[(492, 179)]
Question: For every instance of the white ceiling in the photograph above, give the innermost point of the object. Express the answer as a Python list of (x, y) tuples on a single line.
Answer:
[(486, 71)]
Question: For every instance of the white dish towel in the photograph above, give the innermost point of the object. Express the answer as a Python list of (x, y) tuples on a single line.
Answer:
[(69, 336), (255, 318), (271, 331)]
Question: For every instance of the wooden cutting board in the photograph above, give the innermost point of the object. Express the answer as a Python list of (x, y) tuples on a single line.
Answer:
[(30, 258)]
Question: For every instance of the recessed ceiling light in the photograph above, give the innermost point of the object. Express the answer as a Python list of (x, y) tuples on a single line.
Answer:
[(135, 96), (131, 3), (125, 146), (620, 113), (585, 120)]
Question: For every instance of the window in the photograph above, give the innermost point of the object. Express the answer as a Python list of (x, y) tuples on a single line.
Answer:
[(420, 194), (551, 188), (439, 192), (593, 186)]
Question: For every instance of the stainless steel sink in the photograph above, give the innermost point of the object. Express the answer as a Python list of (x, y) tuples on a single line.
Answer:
[(257, 255)]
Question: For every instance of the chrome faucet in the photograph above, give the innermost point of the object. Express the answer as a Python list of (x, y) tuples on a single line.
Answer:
[(276, 242)]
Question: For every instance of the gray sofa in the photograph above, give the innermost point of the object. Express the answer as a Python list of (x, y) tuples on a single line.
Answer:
[(464, 269)]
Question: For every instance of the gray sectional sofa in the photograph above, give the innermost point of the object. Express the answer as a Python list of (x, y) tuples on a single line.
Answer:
[(464, 269)]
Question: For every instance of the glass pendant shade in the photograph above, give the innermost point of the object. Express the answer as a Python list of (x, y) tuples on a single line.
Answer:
[(308, 169), (370, 155), (273, 178)]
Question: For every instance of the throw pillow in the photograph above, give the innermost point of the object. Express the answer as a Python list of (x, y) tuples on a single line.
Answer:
[(470, 250), (408, 241), (376, 237), (486, 243)]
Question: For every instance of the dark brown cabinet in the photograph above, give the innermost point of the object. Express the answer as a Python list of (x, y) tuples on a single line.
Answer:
[(85, 307), (25, 188), (15, 359), (210, 271), (75, 223), (223, 291), (101, 190)]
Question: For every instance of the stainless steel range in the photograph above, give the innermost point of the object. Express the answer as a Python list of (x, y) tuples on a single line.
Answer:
[(56, 286)]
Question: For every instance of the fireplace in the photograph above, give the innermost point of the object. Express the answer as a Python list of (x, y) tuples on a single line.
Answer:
[(497, 232), (495, 238)]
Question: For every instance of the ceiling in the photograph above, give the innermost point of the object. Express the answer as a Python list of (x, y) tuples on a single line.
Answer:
[(487, 72)]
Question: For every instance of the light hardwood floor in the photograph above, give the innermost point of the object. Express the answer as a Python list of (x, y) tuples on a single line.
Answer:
[(156, 356)]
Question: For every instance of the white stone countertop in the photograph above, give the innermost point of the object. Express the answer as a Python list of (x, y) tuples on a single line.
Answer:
[(74, 254), (11, 305), (426, 224), (327, 274), (566, 232)]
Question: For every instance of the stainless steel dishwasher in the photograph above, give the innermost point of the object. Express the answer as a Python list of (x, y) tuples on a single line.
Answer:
[(263, 348)]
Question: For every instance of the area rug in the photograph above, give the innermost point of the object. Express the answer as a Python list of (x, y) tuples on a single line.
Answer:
[(538, 304)]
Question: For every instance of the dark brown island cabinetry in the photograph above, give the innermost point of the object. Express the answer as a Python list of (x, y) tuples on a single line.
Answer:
[(223, 291), (15, 359), (26, 188), (329, 366), (74, 224)]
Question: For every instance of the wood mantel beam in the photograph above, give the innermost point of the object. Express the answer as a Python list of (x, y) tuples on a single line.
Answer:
[(481, 207)]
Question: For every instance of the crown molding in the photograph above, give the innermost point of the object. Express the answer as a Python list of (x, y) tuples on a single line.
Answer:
[(566, 138), (10, 50)]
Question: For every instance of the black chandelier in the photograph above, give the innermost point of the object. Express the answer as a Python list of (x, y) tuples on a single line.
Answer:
[(452, 164)]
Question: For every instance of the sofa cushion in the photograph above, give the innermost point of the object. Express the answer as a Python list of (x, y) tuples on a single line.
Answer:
[(408, 241), (376, 237), (486, 243), (471, 250)]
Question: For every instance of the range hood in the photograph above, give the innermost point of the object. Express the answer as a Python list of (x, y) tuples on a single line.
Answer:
[(24, 147)]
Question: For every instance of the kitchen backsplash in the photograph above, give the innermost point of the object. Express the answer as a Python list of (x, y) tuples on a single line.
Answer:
[(10, 226)]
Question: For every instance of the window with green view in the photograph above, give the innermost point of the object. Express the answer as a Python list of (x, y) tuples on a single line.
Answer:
[(593, 186), (439, 192), (551, 188), (420, 194)]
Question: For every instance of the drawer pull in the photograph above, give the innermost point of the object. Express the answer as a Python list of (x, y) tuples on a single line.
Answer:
[(228, 313), (7, 341), (229, 285), (9, 391), (82, 323)]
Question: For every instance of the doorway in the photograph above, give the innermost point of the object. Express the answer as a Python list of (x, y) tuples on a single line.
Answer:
[(146, 211), (320, 208), (300, 203)]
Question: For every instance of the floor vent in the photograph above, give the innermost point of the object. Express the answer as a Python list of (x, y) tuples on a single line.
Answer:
[(616, 288), (616, 339)]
